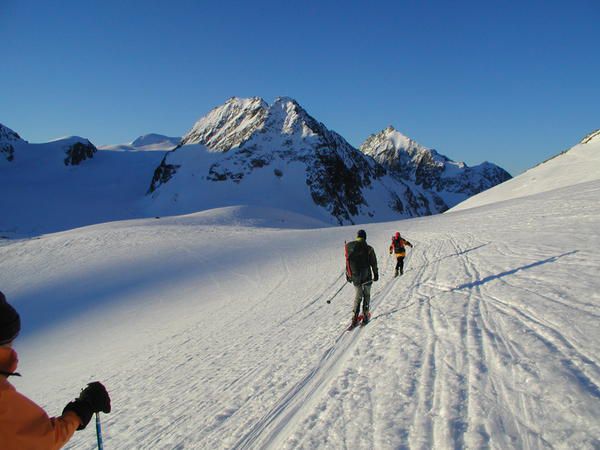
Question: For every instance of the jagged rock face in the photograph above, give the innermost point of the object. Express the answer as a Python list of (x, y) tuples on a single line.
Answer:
[(407, 160), (7, 138), (8, 150), (253, 135), (78, 152), (246, 136), (228, 126)]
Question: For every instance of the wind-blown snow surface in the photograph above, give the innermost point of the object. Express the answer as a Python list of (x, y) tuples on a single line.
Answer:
[(213, 336)]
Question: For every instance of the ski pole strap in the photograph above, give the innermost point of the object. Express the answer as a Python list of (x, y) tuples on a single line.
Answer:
[(99, 432)]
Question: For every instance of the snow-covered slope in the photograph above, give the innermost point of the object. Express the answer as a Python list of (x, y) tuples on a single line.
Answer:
[(247, 151), (68, 183), (579, 164), (219, 336), (147, 142), (408, 160)]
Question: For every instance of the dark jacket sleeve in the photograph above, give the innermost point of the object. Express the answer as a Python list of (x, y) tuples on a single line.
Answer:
[(373, 260)]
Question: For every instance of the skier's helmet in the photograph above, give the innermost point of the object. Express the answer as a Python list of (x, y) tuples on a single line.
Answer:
[(361, 234), (397, 235)]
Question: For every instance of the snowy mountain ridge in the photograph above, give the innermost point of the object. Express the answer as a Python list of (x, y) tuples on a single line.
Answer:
[(229, 125), (153, 139), (244, 152), (284, 153), (408, 160), (579, 164), (147, 142), (593, 135), (352, 186)]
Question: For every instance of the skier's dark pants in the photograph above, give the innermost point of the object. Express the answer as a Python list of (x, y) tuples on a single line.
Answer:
[(362, 293), (400, 264)]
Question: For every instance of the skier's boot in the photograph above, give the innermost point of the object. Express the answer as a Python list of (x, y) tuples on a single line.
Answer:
[(395, 273), (366, 317), (354, 323)]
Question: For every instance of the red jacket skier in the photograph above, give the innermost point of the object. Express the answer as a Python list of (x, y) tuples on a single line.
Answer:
[(398, 247)]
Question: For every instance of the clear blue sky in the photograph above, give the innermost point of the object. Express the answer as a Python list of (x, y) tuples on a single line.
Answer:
[(512, 82)]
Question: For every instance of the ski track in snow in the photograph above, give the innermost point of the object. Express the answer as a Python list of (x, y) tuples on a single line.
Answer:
[(458, 383), (268, 430), (488, 340)]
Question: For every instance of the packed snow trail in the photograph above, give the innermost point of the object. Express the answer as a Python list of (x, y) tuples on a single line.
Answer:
[(221, 337), (302, 395), (478, 340)]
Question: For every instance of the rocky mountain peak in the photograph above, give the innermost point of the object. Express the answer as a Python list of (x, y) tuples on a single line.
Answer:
[(239, 120), (8, 135), (229, 125), (287, 117), (390, 147), (406, 159)]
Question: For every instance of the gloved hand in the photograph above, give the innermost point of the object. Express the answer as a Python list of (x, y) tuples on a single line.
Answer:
[(376, 276), (92, 399)]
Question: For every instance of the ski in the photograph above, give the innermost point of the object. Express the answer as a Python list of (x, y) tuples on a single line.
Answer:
[(359, 323)]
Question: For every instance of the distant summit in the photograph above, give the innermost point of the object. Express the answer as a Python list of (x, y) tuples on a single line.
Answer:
[(284, 158), (245, 154), (258, 146), (155, 140), (407, 160)]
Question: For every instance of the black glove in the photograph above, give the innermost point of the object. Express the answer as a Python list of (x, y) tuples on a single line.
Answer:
[(92, 399), (376, 276)]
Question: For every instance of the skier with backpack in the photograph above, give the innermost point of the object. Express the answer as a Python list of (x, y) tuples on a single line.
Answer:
[(398, 247), (361, 270), (25, 425)]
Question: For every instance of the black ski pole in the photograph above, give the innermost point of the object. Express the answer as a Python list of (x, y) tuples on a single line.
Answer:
[(99, 432), (338, 291)]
